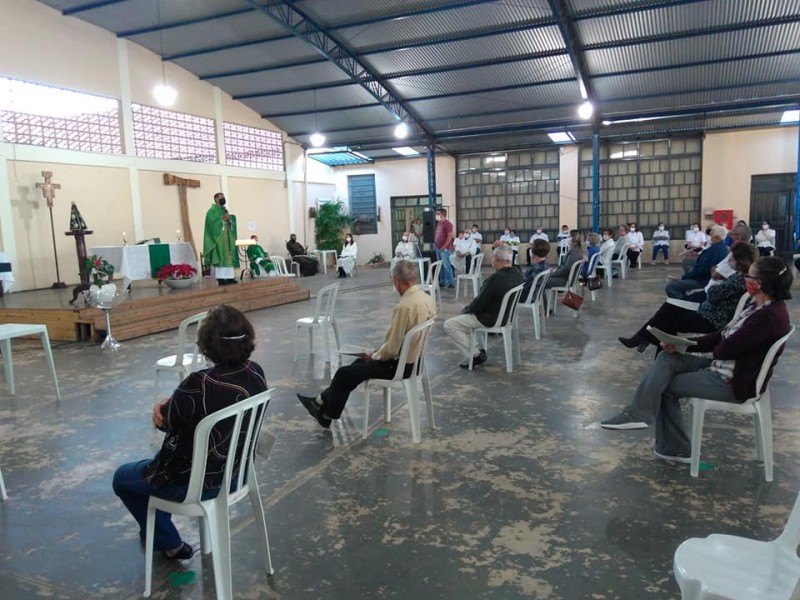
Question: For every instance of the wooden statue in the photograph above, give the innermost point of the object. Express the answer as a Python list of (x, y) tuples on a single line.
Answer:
[(182, 185)]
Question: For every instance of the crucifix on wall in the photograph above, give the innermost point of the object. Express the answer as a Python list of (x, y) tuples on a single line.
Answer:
[(49, 192), (184, 200)]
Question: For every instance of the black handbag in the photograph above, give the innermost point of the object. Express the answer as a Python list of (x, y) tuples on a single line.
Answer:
[(594, 283)]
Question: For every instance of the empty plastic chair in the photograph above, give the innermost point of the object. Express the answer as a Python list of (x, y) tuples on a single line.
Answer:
[(729, 567), (215, 534), (431, 285), (416, 337), (182, 362), (280, 266), (535, 303), (473, 275), (760, 406), (324, 318)]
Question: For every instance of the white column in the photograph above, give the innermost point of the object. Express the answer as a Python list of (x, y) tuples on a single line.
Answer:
[(128, 147), (219, 127), (6, 224)]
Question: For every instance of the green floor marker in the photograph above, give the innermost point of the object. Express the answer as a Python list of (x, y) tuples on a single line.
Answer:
[(381, 432), (178, 578), (706, 466)]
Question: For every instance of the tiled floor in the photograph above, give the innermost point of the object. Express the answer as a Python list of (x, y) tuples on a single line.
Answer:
[(518, 494)]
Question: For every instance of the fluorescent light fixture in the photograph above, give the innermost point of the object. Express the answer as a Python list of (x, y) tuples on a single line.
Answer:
[(165, 94), (561, 137), (317, 139), (406, 151), (639, 120), (790, 116), (586, 110), (496, 158), (401, 131)]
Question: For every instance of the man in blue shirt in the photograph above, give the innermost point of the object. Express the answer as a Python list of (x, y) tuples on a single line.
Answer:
[(691, 286)]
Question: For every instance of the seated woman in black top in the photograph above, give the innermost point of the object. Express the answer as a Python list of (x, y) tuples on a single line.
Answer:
[(731, 373), (226, 338), (711, 315)]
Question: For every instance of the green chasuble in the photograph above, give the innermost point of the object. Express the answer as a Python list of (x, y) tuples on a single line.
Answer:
[(219, 243), (258, 256)]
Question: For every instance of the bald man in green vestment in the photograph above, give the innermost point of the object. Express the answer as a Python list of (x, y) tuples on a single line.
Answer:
[(219, 242)]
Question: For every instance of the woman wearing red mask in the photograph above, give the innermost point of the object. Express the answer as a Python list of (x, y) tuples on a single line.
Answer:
[(729, 376)]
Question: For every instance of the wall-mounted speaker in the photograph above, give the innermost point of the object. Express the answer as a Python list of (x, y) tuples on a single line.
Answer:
[(312, 212)]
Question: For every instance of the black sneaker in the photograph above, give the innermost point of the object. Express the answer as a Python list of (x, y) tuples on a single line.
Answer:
[(314, 410), (623, 421), (478, 360)]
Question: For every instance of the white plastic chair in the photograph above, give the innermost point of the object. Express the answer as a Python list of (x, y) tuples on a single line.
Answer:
[(280, 266), (506, 325), (534, 302), (182, 363), (622, 261), (605, 264), (324, 317), (729, 567), (419, 334), (3, 494), (740, 306), (473, 275), (760, 406), (591, 272), (215, 535), (571, 286), (431, 285)]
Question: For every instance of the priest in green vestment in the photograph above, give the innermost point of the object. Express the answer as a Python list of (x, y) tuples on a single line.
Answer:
[(219, 242), (259, 258)]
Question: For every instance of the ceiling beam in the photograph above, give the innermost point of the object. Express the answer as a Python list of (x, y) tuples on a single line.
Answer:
[(68, 12), (300, 113), (566, 25), (457, 37), (307, 29), (183, 23), (626, 10)]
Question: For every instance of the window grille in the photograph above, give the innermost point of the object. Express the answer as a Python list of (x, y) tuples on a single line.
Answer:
[(159, 133), (363, 206), (253, 148), (41, 115)]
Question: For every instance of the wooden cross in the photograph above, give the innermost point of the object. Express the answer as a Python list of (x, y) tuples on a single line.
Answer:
[(48, 188), (182, 185)]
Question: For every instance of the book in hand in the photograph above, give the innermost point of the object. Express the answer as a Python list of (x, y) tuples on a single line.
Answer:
[(680, 343), (351, 350)]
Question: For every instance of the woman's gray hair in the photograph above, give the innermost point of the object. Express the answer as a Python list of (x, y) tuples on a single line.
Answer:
[(405, 270), (503, 254)]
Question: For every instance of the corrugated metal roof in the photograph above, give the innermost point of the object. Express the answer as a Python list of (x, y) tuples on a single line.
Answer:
[(490, 72)]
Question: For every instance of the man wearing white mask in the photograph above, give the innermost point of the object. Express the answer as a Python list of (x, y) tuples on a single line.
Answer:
[(660, 244), (695, 243), (765, 240), (463, 250)]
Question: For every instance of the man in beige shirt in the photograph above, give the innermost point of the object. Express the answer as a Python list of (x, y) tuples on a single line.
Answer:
[(415, 307)]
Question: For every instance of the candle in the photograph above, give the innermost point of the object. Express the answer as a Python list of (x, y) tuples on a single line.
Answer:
[(178, 233), (124, 238)]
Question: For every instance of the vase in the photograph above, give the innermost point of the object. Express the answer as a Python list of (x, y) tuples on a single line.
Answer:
[(179, 284), (102, 294)]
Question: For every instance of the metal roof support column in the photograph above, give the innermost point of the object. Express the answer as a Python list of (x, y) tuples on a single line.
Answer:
[(595, 180), (431, 154), (797, 194)]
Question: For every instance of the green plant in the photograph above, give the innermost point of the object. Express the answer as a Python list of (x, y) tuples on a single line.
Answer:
[(376, 260), (331, 222), (99, 269)]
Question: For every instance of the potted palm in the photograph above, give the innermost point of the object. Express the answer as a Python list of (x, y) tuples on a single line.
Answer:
[(331, 221)]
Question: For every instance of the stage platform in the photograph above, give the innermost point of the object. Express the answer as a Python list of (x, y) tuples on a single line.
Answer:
[(147, 308)]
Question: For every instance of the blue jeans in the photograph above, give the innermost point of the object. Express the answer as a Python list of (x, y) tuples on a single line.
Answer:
[(681, 289), (446, 278), (134, 491), (657, 249)]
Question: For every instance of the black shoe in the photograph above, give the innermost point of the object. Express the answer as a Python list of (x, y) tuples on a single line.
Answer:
[(222, 282), (632, 343), (231, 281), (185, 553), (478, 360), (314, 410)]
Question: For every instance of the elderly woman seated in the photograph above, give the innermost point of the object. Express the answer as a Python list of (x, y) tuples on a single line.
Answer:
[(728, 376), (558, 278), (539, 251), (226, 338), (405, 249), (711, 315)]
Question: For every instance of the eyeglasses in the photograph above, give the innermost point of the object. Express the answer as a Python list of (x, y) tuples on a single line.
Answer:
[(751, 277)]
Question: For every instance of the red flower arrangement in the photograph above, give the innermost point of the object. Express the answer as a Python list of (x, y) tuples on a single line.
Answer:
[(181, 271)]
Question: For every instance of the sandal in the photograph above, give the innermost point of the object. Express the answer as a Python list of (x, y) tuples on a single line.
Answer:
[(184, 553)]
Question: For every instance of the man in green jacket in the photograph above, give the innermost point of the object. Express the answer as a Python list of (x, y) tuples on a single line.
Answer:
[(259, 258), (484, 308), (219, 242)]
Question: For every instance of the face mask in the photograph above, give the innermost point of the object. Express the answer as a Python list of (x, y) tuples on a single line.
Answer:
[(438, 217), (507, 232), (633, 228), (405, 238), (695, 229), (661, 228), (605, 238), (752, 286), (539, 230), (765, 227), (222, 201), (565, 231), (348, 240)]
